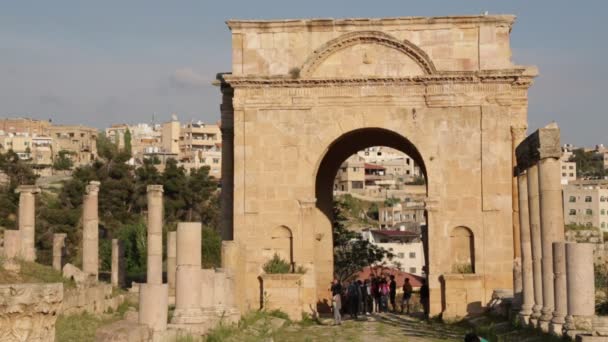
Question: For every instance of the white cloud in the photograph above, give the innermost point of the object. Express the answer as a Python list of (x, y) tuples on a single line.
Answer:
[(187, 78)]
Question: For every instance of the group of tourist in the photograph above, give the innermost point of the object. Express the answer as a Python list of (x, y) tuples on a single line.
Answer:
[(373, 295)]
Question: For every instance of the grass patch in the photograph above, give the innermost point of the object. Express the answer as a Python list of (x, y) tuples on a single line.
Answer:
[(32, 272), (77, 328)]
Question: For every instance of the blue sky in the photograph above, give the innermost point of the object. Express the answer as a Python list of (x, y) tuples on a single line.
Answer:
[(104, 62)]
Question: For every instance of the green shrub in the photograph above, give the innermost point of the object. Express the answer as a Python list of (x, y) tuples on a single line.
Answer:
[(276, 265), (465, 268)]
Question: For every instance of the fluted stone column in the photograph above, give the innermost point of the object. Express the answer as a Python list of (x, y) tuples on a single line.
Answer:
[(580, 280), (155, 234), (118, 264), (188, 277), (27, 221), (154, 295), (526, 251), (552, 228), (58, 250), (90, 233), (535, 236), (560, 288), (171, 259)]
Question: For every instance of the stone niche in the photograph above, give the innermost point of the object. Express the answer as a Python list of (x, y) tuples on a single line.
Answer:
[(283, 292), (28, 312), (463, 295)]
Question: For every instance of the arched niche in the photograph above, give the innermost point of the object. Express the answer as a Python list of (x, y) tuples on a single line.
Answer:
[(281, 243), (462, 250)]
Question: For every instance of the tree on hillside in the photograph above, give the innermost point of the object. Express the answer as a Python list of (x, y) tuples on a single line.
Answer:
[(351, 252), (588, 165), (128, 142), (18, 173), (63, 161)]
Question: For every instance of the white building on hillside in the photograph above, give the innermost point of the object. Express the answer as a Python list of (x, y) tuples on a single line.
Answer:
[(405, 245)]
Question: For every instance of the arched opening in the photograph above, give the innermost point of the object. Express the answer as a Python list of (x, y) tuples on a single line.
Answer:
[(462, 250), (281, 243), (394, 233)]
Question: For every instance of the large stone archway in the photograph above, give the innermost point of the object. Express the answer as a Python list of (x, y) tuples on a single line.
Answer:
[(303, 93)]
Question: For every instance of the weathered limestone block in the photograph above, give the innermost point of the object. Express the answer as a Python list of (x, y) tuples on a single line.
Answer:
[(12, 244), (463, 295), (58, 250), (123, 331), (282, 291), (80, 278), (118, 263), (153, 306), (188, 278), (580, 278), (27, 220), (90, 233), (96, 298), (28, 311)]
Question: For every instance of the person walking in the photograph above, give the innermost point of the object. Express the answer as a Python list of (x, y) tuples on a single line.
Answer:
[(424, 298), (376, 294), (369, 303), (336, 300), (407, 295), (393, 292)]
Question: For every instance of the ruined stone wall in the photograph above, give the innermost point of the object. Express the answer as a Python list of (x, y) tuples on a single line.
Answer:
[(95, 299)]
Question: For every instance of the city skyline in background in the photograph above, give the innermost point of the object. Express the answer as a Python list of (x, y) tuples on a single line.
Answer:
[(111, 63)]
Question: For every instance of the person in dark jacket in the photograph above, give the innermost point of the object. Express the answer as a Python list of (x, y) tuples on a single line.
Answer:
[(393, 292), (424, 298), (353, 298)]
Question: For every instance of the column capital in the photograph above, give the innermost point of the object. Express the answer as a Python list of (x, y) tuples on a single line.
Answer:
[(93, 188), (32, 189), (155, 188)]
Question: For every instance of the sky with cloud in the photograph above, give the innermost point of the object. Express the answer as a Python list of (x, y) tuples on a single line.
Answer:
[(104, 62)]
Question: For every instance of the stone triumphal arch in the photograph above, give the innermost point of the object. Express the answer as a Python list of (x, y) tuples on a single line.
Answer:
[(305, 94)]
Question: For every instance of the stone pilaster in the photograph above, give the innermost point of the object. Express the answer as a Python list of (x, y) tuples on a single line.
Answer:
[(535, 236), (90, 232), (118, 263), (580, 282), (27, 221), (171, 259), (526, 251), (560, 288), (58, 250), (188, 277), (227, 195)]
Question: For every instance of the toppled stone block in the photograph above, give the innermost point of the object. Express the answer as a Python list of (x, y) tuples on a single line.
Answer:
[(72, 272), (28, 312), (123, 331)]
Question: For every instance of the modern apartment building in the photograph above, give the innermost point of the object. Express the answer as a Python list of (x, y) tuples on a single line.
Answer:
[(406, 246), (80, 141), (400, 214), (586, 203)]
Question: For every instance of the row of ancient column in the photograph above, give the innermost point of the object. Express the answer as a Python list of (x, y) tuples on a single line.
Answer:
[(21, 243), (199, 293), (557, 277)]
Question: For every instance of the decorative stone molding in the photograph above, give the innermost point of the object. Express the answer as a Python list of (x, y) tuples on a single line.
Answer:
[(521, 77), (367, 37), (93, 188), (28, 311), (307, 203), (321, 23), (543, 143)]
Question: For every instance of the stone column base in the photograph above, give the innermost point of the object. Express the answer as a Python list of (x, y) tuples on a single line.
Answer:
[(188, 316), (153, 306), (556, 328), (544, 325), (524, 320), (533, 323)]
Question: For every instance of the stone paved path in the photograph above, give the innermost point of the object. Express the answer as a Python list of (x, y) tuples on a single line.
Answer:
[(377, 328)]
